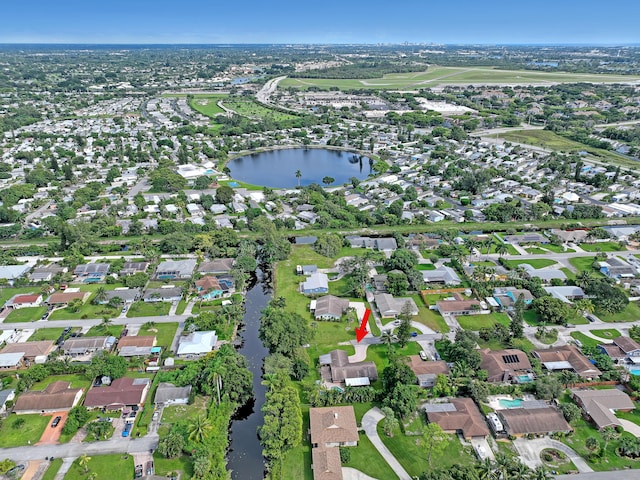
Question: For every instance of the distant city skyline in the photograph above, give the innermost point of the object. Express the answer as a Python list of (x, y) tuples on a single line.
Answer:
[(339, 22)]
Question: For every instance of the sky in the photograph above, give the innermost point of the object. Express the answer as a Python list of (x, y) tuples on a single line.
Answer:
[(321, 21)]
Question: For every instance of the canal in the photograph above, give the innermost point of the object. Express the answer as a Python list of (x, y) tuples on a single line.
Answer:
[(245, 452)]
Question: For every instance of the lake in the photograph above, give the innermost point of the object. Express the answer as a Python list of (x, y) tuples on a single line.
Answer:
[(277, 168)]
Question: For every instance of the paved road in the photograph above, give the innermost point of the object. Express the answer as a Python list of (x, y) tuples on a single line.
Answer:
[(91, 322), (66, 450), (615, 475), (369, 423)]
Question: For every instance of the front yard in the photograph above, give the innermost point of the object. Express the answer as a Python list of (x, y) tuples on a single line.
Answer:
[(20, 430), (107, 467), (476, 322), (27, 314), (164, 333), (148, 309)]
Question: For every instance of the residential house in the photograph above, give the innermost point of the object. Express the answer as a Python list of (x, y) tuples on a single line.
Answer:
[(508, 365), (616, 268), (567, 357), (600, 405), (169, 394), (622, 350), (163, 294), (91, 272), (120, 393), (567, 294), (56, 397), (506, 297), (136, 346), (126, 295), (526, 238), (391, 307), (6, 395), (329, 307), (539, 420), (388, 244), (30, 350), (443, 274), (197, 344), (336, 368), (326, 464), (13, 272), (86, 345), (316, 284), (64, 298), (459, 416), (24, 301), (427, 372), (330, 428), (175, 269), (217, 266), (11, 361), (208, 288), (458, 305), (47, 273), (129, 268), (544, 274)]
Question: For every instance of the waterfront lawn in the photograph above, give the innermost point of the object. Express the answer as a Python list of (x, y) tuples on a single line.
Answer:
[(164, 333), (106, 467), (631, 313), (535, 263), (148, 309), (52, 470), (27, 434), (476, 322), (601, 247), (27, 314)]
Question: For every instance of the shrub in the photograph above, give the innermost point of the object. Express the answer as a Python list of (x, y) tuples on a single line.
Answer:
[(18, 424), (345, 455)]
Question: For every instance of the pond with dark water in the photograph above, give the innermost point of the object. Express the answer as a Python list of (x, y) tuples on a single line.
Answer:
[(277, 168), (245, 452)]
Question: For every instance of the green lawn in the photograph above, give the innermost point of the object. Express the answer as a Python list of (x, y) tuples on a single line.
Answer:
[(366, 458), (77, 381), (476, 322), (583, 264), (425, 266), (631, 313), (297, 462), (249, 108), (46, 334), (559, 248), (535, 263), (532, 318), (88, 310), (177, 413), (182, 304), (378, 353), (27, 434), (148, 309), (568, 273), (606, 333), (340, 288), (27, 314), (584, 340), (107, 467), (164, 333), (535, 250), (207, 104), (7, 292), (601, 247), (98, 331), (430, 318), (165, 466), (53, 468)]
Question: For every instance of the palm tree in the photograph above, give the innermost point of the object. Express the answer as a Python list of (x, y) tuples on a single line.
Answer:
[(298, 176), (501, 249), (101, 295), (387, 339), (541, 473), (584, 306), (106, 322), (471, 244), (485, 469), (83, 461), (199, 429)]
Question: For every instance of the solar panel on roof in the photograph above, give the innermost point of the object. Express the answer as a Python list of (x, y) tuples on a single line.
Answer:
[(510, 359)]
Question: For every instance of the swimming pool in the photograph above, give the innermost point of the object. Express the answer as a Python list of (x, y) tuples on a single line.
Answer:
[(504, 403), (634, 371), (524, 379), (234, 184)]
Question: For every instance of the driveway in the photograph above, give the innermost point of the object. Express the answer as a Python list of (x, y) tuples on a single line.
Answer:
[(630, 427), (482, 448), (353, 474), (369, 423), (529, 451), (51, 435)]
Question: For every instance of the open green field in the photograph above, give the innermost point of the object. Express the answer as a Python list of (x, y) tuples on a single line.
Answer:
[(12, 435), (476, 322), (454, 76), (553, 141), (601, 247), (148, 309), (535, 263), (585, 264), (430, 318), (584, 340), (27, 314), (107, 467), (207, 104), (249, 108)]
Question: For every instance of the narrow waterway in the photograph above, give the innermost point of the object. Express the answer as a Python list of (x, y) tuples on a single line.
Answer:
[(245, 453)]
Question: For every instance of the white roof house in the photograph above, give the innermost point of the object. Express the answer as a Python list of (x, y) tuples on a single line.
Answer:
[(197, 343), (11, 360)]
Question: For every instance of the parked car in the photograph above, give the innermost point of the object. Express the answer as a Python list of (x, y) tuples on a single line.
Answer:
[(127, 429), (423, 355), (56, 421), (149, 467), (414, 334), (139, 471)]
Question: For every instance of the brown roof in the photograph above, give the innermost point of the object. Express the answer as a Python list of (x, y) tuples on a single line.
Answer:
[(18, 299), (612, 350), (326, 463), (341, 369), (66, 297), (446, 306), (57, 396), (208, 283), (599, 403), (521, 421), (121, 392), (626, 344), (137, 341), (501, 365), (570, 354), (331, 305), (333, 425), (30, 349), (420, 367), (466, 418)]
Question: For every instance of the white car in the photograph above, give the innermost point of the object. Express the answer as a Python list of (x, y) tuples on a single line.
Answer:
[(423, 355)]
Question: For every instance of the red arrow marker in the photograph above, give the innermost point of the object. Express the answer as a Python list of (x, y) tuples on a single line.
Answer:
[(361, 331)]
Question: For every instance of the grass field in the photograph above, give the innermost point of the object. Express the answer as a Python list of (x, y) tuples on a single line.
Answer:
[(207, 104), (53, 468), (553, 141), (601, 247), (476, 322), (535, 263), (452, 76), (606, 333), (27, 434), (46, 334), (631, 313), (76, 381), (107, 467), (430, 318), (27, 314), (88, 310), (164, 333), (585, 264), (148, 309), (584, 340), (98, 331), (249, 108)]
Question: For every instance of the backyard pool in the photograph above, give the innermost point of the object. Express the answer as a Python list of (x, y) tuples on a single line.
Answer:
[(505, 403), (634, 371)]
